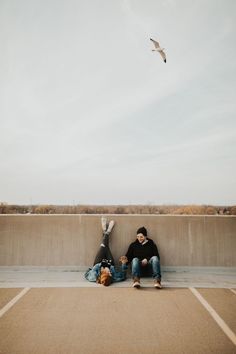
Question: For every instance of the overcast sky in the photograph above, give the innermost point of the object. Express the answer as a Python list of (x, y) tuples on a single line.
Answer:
[(89, 114)]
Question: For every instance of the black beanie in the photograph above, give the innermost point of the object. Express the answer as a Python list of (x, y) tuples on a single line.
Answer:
[(142, 230)]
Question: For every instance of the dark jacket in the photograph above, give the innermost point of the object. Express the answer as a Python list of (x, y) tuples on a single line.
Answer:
[(140, 251)]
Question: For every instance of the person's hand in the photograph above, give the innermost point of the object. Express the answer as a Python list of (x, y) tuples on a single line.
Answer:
[(144, 262), (123, 259)]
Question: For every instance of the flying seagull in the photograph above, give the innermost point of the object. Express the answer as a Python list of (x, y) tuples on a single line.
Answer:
[(158, 49)]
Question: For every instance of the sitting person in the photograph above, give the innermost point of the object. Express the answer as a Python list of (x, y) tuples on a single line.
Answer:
[(144, 258), (103, 271)]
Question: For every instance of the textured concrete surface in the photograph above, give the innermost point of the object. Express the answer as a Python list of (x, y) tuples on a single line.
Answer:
[(69, 277), (6, 295), (111, 320), (224, 303), (72, 240)]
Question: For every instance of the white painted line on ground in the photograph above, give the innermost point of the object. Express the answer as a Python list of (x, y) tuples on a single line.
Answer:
[(234, 291), (13, 301), (215, 315)]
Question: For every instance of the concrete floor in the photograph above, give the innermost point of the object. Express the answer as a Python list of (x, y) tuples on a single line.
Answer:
[(13, 277), (57, 311), (105, 320)]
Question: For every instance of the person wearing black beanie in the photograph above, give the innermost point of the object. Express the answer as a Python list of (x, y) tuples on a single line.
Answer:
[(144, 258), (142, 230)]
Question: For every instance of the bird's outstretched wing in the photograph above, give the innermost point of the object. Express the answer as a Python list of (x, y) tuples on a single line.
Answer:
[(163, 55), (156, 44)]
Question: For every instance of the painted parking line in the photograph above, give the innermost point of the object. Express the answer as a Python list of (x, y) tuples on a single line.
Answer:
[(231, 335), (13, 301), (6, 294), (234, 291)]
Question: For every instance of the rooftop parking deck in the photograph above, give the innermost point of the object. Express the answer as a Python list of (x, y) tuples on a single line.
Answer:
[(47, 306), (104, 320)]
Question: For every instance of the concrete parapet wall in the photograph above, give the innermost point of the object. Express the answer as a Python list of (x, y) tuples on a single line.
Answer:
[(73, 240)]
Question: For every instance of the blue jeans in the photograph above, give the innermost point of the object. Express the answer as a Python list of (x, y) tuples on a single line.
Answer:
[(153, 268)]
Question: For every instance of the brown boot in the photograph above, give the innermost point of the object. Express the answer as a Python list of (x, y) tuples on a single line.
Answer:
[(136, 283), (157, 284)]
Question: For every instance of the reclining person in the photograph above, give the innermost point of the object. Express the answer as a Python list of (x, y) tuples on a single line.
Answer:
[(103, 271)]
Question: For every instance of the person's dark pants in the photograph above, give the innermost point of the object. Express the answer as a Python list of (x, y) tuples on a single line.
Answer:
[(104, 251)]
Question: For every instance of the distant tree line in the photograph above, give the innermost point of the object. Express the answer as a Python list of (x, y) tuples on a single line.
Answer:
[(118, 209)]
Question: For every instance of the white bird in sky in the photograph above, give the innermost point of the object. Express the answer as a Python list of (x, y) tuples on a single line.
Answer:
[(158, 49)]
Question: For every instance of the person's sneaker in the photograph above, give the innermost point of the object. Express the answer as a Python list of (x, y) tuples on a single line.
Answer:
[(110, 226), (157, 284), (104, 224), (136, 283)]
